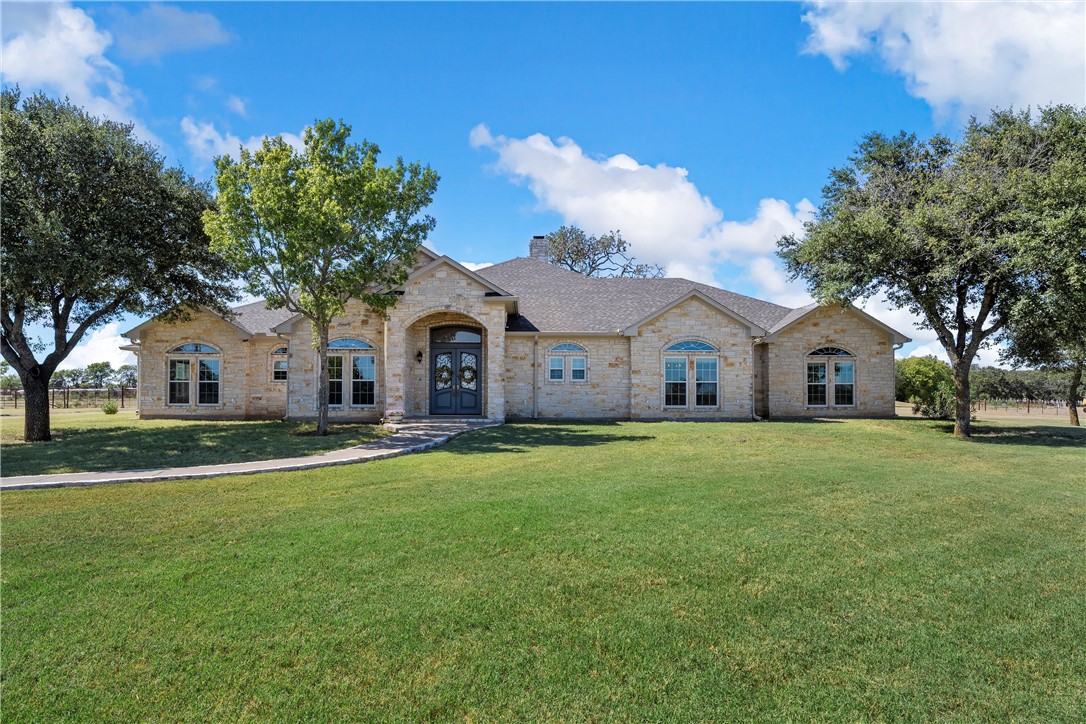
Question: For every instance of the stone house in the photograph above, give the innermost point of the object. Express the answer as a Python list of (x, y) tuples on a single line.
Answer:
[(527, 339)]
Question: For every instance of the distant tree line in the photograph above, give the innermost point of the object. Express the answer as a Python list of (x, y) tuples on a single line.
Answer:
[(920, 379), (95, 376)]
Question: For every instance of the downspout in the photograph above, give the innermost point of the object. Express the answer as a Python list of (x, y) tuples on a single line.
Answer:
[(535, 377), (753, 391)]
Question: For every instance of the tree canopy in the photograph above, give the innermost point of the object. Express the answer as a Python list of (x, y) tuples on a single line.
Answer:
[(94, 226), (918, 379), (311, 229), (960, 233), (596, 256)]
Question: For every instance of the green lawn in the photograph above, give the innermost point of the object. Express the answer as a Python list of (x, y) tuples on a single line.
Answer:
[(855, 570), (90, 440)]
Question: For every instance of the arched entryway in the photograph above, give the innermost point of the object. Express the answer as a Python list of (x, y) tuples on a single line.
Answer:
[(456, 370)]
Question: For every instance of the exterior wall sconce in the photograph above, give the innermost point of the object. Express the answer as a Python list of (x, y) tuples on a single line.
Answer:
[(418, 356)]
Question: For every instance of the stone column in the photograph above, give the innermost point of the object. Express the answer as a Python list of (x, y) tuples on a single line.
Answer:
[(395, 349), (495, 370)]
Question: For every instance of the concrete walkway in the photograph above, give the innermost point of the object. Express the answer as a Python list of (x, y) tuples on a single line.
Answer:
[(407, 438)]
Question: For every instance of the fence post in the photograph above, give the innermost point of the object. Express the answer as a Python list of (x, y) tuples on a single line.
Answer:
[(122, 397)]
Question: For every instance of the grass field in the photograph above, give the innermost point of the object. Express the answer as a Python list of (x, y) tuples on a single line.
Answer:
[(851, 570), (89, 440)]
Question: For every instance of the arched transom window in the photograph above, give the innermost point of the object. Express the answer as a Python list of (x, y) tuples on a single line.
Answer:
[(567, 362), (831, 367), (695, 360), (193, 371)]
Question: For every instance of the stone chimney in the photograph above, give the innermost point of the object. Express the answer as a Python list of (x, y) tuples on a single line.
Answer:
[(539, 248)]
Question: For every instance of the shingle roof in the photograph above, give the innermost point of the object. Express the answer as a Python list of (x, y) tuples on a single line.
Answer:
[(552, 299), (258, 319)]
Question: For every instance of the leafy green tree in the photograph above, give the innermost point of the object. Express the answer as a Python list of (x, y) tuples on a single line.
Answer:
[(596, 256), (67, 378), (98, 374), (919, 378), (125, 376), (94, 226), (310, 230), (1051, 334), (961, 234)]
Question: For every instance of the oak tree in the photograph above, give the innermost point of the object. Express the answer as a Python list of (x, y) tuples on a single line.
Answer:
[(956, 232), (94, 226), (596, 256)]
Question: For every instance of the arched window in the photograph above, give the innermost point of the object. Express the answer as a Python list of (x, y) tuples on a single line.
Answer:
[(194, 348), (830, 352), (349, 343), (279, 364), (355, 355), (691, 345), (688, 358), (567, 361), (842, 380), (192, 365)]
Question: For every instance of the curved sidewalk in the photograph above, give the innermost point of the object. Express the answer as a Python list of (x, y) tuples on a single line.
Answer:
[(408, 438)]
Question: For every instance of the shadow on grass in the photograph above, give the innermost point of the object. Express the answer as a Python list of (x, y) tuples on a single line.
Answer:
[(1043, 435), (522, 437), (139, 447)]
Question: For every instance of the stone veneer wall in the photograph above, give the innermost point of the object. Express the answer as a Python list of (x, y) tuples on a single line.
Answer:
[(246, 388), (359, 322), (831, 326), (693, 319), (604, 394), (761, 380), (441, 291)]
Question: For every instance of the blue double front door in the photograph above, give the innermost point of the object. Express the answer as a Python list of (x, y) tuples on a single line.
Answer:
[(456, 371)]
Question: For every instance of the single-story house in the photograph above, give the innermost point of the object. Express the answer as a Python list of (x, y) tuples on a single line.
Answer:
[(527, 339)]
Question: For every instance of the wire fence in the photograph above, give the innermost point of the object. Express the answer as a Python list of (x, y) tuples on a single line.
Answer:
[(1022, 407), (64, 398)]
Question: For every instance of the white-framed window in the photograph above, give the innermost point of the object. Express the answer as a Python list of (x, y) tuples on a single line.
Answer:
[(567, 362), (357, 356), (193, 364), (691, 359), (831, 378), (279, 364)]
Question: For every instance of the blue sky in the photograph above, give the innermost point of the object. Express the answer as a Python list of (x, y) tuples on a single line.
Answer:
[(701, 131)]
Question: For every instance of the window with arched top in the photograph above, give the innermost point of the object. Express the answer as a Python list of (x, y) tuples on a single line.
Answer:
[(686, 359), (194, 348), (691, 345), (193, 370), (352, 359), (831, 383), (279, 364), (349, 343), (567, 361)]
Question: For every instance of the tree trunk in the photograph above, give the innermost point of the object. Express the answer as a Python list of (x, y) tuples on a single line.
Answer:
[(322, 380), (1073, 397), (36, 402), (961, 399)]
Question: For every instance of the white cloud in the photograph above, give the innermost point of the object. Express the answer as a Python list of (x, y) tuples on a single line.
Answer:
[(476, 266), (59, 48), (206, 142), (102, 345), (157, 30), (237, 105), (658, 209), (963, 56)]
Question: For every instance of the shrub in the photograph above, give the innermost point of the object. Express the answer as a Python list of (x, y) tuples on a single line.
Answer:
[(109, 407), (940, 406), (919, 379)]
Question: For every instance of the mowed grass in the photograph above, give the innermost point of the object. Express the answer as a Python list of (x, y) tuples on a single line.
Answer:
[(90, 440), (857, 570)]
